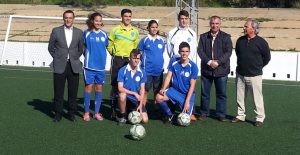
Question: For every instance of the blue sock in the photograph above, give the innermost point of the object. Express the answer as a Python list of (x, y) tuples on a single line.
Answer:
[(87, 99), (98, 99), (164, 106)]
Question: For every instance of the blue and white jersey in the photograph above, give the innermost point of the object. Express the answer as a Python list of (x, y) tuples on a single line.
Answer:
[(181, 76), (152, 56), (95, 50), (132, 81)]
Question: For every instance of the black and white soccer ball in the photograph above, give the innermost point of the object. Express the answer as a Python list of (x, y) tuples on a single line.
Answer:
[(137, 132), (134, 117), (184, 119)]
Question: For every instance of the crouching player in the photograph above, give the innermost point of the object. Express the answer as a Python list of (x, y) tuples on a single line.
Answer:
[(183, 73), (131, 86)]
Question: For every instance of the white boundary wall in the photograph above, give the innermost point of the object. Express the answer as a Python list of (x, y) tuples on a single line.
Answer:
[(283, 65)]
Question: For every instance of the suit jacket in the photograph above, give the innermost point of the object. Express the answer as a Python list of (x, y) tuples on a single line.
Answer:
[(59, 50)]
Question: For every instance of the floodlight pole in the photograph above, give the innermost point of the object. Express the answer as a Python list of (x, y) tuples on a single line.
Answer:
[(192, 7)]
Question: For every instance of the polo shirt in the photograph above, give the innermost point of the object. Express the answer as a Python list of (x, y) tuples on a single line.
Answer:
[(152, 54), (181, 76), (122, 41), (132, 81), (95, 50)]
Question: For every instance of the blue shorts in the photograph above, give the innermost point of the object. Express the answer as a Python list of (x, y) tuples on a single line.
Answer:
[(94, 77), (132, 103), (177, 97), (155, 81)]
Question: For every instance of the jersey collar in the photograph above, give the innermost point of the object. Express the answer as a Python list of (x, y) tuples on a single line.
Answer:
[(152, 38), (124, 28), (129, 68)]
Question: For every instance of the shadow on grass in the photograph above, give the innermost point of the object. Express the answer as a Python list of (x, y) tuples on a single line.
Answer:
[(46, 107), (214, 116)]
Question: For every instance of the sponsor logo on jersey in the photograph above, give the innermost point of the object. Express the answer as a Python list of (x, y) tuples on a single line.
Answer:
[(97, 39)]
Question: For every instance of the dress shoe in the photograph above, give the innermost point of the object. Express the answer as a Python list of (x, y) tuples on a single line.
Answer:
[(57, 118), (236, 120), (202, 117), (222, 119), (258, 124)]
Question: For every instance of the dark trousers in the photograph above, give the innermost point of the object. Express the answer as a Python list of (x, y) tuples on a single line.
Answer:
[(59, 81), (116, 64), (221, 97)]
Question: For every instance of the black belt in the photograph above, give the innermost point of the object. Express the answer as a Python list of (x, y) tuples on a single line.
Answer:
[(121, 57)]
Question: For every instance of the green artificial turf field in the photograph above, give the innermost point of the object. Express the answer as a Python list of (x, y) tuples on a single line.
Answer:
[(27, 128)]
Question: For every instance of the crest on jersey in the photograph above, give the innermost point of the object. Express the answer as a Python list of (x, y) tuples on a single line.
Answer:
[(189, 39), (102, 39), (159, 46), (132, 34), (186, 74), (138, 78)]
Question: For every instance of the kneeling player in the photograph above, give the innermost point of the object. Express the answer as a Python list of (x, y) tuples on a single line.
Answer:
[(131, 86), (183, 73)]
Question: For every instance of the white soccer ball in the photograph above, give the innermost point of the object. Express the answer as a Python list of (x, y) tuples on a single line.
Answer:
[(137, 132), (184, 119), (134, 117)]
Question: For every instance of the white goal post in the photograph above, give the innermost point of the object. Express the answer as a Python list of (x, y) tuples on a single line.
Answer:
[(26, 38)]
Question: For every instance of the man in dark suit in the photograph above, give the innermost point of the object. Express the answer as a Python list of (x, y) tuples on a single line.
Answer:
[(66, 47)]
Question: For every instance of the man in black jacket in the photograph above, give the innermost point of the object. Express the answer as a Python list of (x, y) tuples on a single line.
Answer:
[(214, 49), (253, 53)]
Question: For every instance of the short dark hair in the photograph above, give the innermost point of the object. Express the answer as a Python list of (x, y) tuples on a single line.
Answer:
[(183, 45), (125, 11), (184, 13), (68, 11), (135, 52), (91, 17)]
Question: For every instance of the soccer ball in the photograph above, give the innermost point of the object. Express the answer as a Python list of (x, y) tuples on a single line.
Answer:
[(134, 117), (137, 132), (184, 119)]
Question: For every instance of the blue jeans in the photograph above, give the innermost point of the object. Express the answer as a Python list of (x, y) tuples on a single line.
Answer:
[(221, 97)]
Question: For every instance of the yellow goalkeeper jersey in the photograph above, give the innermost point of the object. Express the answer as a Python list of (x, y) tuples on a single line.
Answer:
[(122, 41)]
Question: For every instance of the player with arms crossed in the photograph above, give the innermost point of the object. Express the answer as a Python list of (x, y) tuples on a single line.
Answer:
[(183, 73), (95, 41), (131, 86)]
